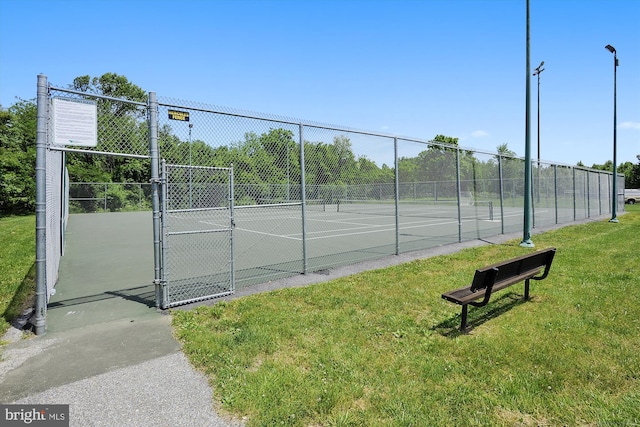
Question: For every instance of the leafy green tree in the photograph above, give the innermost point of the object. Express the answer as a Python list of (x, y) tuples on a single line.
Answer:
[(634, 175), (503, 150), (408, 169), (449, 140), (121, 129), (115, 86), (631, 172), (320, 166), (607, 166), (17, 158)]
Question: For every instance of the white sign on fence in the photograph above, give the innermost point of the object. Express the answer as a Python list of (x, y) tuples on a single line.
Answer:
[(75, 122)]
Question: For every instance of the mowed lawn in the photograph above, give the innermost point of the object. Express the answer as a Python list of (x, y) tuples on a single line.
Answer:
[(381, 348), (17, 258)]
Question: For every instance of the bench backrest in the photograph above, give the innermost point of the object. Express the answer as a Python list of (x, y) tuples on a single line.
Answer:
[(506, 270), (483, 278)]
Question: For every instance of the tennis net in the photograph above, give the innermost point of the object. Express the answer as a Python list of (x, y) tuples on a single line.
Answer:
[(479, 209), (316, 205)]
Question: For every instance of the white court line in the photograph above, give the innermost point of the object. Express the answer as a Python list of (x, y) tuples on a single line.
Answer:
[(217, 225), (421, 223), (370, 228), (424, 223), (269, 234), (267, 218), (342, 222), (424, 220), (340, 233), (385, 230)]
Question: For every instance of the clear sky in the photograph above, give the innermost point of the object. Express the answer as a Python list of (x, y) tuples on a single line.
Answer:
[(413, 68)]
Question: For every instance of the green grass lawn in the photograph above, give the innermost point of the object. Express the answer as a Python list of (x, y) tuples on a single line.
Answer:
[(17, 258), (381, 348)]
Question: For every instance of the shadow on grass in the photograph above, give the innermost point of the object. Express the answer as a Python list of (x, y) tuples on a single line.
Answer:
[(23, 300), (479, 315)]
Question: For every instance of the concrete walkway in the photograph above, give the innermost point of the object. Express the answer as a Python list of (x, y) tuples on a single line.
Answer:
[(109, 353)]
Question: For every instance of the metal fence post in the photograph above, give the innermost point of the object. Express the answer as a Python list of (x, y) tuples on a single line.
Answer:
[(303, 199), (588, 194), (232, 230), (41, 201), (397, 193), (574, 194), (162, 294), (501, 189), (609, 190), (555, 189), (599, 194), (459, 194), (155, 185)]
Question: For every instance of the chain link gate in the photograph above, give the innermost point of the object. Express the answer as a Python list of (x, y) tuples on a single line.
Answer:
[(197, 234)]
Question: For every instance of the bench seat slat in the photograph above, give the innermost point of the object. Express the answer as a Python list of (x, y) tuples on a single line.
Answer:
[(464, 295)]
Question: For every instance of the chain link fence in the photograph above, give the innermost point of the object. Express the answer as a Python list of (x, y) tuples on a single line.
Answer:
[(93, 197), (258, 197), (56, 213), (197, 234), (121, 145), (310, 197)]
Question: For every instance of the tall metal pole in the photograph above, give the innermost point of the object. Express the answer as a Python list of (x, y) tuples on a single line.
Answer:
[(537, 72), (41, 203), (526, 235), (614, 198), (155, 200)]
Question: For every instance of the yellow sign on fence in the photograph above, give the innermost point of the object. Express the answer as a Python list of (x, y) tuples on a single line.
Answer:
[(183, 116)]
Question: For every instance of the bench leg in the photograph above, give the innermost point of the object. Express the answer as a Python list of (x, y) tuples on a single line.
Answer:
[(526, 289), (463, 323)]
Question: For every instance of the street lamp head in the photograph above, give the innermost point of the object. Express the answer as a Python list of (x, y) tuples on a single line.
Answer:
[(539, 69), (610, 48)]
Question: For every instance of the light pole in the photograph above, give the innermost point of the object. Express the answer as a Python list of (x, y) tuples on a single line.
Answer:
[(537, 72), (614, 198), (526, 233)]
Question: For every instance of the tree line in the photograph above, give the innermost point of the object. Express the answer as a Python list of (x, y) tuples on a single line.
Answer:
[(263, 163)]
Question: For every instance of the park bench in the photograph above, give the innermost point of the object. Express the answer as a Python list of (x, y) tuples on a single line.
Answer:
[(498, 276)]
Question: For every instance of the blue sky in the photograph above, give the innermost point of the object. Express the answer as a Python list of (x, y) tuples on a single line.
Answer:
[(403, 67)]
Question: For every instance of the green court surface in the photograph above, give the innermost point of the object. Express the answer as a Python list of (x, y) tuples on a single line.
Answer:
[(107, 271)]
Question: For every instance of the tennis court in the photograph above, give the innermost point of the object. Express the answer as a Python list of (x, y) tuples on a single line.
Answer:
[(215, 251), (109, 256), (271, 241)]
